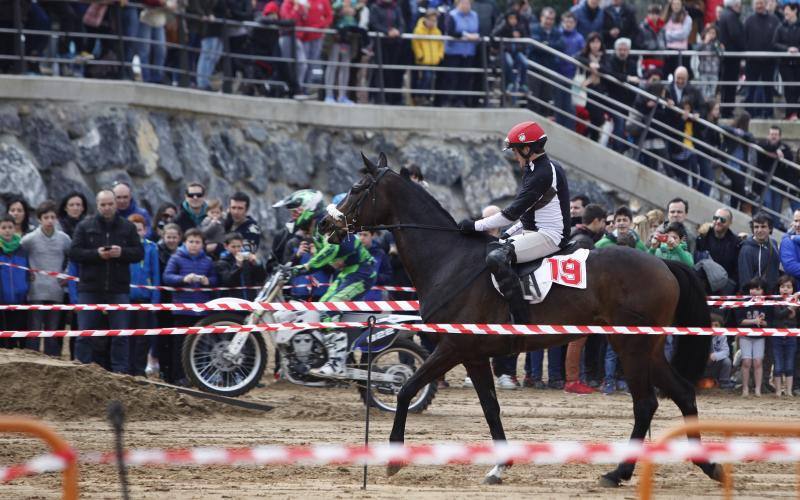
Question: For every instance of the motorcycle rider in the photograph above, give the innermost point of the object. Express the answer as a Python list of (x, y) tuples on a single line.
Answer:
[(542, 208), (355, 275)]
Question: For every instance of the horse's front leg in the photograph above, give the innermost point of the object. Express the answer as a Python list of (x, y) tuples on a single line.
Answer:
[(481, 375), (442, 360)]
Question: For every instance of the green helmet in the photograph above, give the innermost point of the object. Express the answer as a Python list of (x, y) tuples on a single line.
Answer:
[(307, 199), (304, 219)]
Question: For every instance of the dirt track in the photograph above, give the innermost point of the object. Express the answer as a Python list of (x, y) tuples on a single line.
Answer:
[(335, 415)]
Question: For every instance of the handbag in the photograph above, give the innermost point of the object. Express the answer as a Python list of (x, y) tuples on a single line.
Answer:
[(94, 15)]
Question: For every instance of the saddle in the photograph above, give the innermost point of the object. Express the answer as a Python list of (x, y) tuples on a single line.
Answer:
[(568, 268)]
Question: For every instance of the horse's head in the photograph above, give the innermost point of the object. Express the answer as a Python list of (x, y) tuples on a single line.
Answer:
[(365, 205)]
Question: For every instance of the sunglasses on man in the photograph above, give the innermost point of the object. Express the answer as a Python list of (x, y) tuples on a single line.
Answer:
[(195, 195), (720, 218)]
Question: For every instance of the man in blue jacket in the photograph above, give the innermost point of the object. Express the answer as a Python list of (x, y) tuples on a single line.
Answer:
[(589, 17), (461, 23), (790, 249), (145, 272), (759, 257)]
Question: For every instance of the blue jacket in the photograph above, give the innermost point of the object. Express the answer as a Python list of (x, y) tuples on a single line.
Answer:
[(383, 268), (133, 208), (573, 43), (13, 282), (553, 39), (762, 260), (146, 272), (790, 255), (181, 264), (458, 23), (301, 285), (588, 21)]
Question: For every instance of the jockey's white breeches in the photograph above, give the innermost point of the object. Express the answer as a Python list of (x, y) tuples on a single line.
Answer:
[(532, 245)]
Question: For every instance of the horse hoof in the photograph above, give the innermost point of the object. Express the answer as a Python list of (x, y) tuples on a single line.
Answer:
[(606, 481), (393, 469), (492, 480), (717, 473)]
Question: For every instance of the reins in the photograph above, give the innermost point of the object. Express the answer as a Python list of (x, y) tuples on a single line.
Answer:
[(389, 227)]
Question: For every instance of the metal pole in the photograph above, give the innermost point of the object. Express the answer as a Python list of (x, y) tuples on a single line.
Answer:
[(368, 399), (485, 63), (643, 135), (767, 182), (19, 40), (121, 42), (116, 415), (184, 52), (379, 55), (227, 69), (503, 83)]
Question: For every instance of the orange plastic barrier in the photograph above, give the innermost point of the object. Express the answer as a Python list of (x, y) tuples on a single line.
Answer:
[(727, 429), (56, 443)]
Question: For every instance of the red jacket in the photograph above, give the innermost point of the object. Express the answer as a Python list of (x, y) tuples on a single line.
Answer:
[(318, 14)]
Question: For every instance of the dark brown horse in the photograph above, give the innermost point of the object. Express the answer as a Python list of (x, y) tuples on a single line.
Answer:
[(624, 287)]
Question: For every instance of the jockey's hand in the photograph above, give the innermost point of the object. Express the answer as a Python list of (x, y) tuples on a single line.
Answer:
[(504, 236), (466, 226)]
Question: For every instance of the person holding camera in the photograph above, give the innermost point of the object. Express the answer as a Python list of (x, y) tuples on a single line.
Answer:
[(238, 267), (671, 244), (104, 246)]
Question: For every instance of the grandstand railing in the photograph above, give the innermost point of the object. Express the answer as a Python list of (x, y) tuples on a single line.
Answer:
[(489, 88)]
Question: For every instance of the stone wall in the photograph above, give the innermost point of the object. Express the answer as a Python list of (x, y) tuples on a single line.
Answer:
[(48, 149)]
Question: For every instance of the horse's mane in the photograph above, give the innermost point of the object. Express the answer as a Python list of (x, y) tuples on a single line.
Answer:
[(426, 196)]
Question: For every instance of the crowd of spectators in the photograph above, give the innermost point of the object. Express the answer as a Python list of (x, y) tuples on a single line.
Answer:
[(204, 242)]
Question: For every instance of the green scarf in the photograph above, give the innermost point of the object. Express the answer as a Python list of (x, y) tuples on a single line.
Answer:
[(10, 246), (197, 219)]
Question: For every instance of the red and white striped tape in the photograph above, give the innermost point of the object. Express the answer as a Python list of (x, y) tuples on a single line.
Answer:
[(51, 462), (233, 305), (69, 277), (743, 297), (555, 452), (464, 329), (736, 304)]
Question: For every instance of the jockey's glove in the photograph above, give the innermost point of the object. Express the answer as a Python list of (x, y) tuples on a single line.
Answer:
[(298, 270), (466, 226)]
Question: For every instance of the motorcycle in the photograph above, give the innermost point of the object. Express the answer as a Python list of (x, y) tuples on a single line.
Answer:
[(232, 364)]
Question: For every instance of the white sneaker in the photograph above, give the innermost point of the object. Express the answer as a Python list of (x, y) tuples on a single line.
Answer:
[(331, 369), (506, 382), (152, 371), (468, 382)]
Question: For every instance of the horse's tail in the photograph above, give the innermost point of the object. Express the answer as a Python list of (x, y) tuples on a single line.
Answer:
[(691, 351)]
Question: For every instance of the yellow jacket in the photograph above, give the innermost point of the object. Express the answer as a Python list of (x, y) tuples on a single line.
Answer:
[(427, 52)]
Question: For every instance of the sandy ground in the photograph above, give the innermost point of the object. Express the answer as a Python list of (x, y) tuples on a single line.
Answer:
[(305, 415)]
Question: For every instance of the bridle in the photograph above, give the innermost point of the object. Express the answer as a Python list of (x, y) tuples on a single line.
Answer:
[(369, 192)]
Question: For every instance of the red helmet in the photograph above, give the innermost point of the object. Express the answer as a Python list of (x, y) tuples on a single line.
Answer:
[(526, 133)]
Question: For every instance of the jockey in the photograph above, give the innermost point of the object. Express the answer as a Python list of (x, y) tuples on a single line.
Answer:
[(539, 214), (355, 276)]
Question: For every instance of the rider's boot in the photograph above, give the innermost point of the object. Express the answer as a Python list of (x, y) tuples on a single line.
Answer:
[(499, 259), (336, 343)]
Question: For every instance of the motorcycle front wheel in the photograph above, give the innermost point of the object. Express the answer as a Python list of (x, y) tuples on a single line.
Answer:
[(402, 359), (208, 368)]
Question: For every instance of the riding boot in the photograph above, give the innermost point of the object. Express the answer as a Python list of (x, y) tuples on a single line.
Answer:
[(336, 344), (500, 258)]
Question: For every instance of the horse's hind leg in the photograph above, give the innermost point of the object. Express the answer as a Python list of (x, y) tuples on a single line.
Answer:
[(438, 363), (683, 394), (481, 375), (635, 365)]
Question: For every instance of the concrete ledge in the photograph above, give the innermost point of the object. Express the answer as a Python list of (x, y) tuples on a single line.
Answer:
[(572, 150)]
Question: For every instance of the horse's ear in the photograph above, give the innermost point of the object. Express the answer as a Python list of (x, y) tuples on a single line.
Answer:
[(382, 163), (369, 167)]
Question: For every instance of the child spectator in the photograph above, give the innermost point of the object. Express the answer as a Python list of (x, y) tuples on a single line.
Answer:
[(426, 53), (13, 282), (189, 267), (383, 267), (212, 228), (20, 211), (514, 65), (623, 217), (718, 368), (671, 244), (237, 267), (752, 348), (784, 349), (47, 249), (337, 74), (144, 272), (167, 246)]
